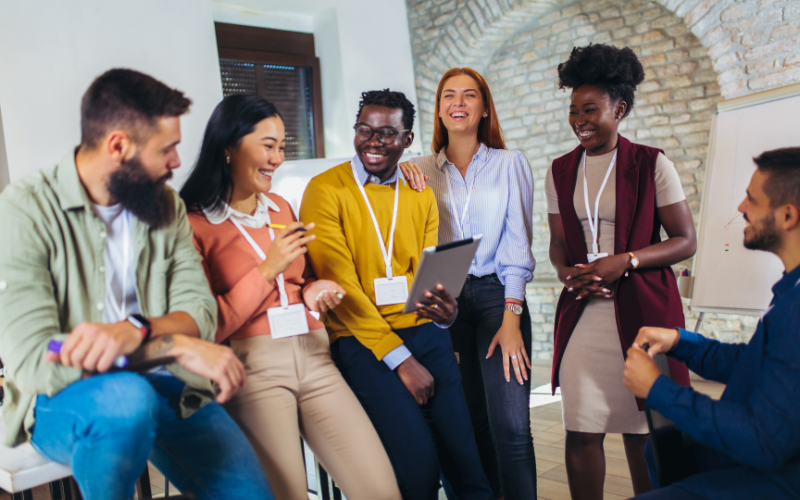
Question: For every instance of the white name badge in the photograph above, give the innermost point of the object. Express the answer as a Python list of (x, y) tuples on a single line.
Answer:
[(287, 321), (591, 257), (390, 291)]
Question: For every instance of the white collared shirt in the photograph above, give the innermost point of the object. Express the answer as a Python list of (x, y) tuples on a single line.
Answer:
[(257, 220)]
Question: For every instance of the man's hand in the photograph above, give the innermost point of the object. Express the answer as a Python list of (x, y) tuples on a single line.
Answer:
[(417, 379), (93, 347), (438, 305), (215, 362), (640, 373), (657, 340)]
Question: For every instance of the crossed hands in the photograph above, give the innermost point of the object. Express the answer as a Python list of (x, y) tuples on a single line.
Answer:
[(641, 371), (594, 279)]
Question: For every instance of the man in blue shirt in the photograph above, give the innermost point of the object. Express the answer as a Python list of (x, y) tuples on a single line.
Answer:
[(748, 442)]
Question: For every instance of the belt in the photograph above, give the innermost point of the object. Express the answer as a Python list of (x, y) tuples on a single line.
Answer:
[(471, 277)]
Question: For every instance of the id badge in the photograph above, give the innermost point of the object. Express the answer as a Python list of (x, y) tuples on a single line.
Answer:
[(287, 321), (591, 257), (390, 291)]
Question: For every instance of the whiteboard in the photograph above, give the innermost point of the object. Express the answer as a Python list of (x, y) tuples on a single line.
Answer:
[(728, 278)]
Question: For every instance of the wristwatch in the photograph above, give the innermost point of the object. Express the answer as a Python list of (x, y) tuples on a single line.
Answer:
[(634, 262), (514, 308), (142, 324)]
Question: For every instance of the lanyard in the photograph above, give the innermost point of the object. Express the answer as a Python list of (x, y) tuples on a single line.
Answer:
[(121, 308), (263, 256), (460, 221), (387, 254), (593, 223)]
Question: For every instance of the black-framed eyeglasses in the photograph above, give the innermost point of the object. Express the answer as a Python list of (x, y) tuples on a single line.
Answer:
[(386, 135)]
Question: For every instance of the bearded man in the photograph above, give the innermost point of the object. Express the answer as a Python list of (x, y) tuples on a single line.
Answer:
[(747, 444), (98, 272)]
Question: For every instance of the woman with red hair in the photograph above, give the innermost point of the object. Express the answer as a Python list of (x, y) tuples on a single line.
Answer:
[(483, 189)]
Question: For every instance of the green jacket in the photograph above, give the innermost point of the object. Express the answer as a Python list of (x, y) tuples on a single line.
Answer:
[(52, 279)]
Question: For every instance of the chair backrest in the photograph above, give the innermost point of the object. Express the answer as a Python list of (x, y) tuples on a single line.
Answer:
[(674, 461)]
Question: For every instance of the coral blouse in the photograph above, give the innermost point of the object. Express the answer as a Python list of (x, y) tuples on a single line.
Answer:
[(231, 265)]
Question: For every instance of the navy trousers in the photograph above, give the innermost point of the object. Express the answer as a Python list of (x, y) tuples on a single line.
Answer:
[(421, 442)]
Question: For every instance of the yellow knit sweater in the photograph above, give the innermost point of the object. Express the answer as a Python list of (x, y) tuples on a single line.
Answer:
[(346, 251)]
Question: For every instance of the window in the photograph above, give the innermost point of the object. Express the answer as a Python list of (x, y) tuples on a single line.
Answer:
[(281, 67)]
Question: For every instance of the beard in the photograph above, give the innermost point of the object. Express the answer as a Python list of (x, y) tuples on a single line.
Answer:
[(144, 197), (764, 236)]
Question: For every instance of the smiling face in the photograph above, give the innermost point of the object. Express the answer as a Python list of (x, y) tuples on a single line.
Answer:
[(594, 119), (461, 105), (381, 159), (257, 156), (761, 231)]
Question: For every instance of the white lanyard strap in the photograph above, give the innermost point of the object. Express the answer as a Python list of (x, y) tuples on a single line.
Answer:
[(122, 307), (387, 253), (460, 221), (593, 223), (263, 256)]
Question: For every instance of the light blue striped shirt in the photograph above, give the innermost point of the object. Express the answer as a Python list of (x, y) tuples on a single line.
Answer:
[(500, 208)]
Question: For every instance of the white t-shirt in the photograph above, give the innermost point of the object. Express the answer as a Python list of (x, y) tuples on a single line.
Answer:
[(121, 298), (120, 275)]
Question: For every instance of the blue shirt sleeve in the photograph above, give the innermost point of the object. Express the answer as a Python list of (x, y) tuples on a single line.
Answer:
[(762, 431), (711, 359), (396, 356), (514, 261)]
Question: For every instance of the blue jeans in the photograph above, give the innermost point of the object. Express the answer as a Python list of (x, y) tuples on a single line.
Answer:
[(500, 410), (420, 441), (106, 427)]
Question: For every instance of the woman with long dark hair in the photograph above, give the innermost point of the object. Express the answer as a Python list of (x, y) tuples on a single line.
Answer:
[(482, 188), (607, 202), (265, 291)]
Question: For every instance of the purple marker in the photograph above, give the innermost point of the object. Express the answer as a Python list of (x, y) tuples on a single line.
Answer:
[(55, 347)]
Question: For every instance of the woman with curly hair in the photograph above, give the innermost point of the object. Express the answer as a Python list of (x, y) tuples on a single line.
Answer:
[(607, 202)]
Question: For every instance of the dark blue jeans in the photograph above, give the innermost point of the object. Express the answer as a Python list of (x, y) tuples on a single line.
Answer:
[(420, 441), (107, 426), (500, 410)]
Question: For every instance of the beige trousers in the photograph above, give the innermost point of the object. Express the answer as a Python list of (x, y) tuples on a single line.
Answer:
[(294, 389)]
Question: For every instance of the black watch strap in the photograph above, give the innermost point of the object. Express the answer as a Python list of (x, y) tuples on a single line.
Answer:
[(143, 325)]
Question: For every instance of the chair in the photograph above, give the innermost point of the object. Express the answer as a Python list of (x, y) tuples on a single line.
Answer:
[(673, 456)]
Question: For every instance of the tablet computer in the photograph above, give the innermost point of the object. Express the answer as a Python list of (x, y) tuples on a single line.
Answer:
[(447, 265)]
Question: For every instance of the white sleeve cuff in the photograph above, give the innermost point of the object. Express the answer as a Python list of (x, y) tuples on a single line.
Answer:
[(396, 356), (443, 327)]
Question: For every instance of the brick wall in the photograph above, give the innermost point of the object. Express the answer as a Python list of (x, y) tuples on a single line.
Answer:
[(695, 53)]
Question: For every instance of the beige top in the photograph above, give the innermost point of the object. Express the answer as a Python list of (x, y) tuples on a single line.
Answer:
[(668, 191)]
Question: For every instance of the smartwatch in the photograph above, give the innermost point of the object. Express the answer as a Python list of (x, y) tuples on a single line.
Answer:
[(142, 324)]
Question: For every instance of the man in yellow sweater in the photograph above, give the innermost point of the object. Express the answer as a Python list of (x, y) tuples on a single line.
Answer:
[(371, 228)]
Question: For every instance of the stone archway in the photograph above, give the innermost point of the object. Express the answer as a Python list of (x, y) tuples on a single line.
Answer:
[(695, 53)]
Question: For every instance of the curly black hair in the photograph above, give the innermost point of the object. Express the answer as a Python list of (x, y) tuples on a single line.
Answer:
[(617, 71), (389, 99)]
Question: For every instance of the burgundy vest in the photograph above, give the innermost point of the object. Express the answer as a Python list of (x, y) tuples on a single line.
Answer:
[(646, 297)]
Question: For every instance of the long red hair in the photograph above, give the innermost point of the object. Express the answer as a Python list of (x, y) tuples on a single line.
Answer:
[(489, 131)]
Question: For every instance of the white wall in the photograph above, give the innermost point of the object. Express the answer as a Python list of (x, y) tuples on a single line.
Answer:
[(50, 51), (362, 45)]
